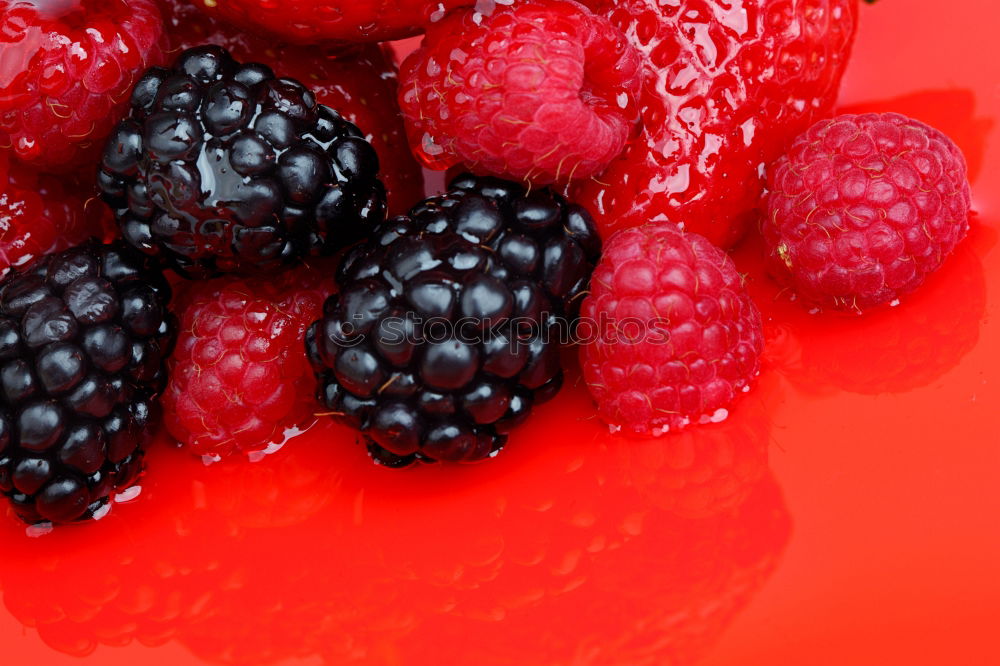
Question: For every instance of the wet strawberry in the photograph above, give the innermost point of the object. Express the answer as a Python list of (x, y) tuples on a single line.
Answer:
[(726, 85)]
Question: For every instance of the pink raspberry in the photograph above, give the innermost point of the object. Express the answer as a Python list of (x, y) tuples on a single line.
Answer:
[(543, 91), (670, 334), (239, 376), (863, 208)]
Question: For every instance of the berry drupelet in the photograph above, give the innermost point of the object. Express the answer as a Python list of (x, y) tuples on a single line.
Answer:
[(542, 91), (222, 167), (446, 327), (83, 337)]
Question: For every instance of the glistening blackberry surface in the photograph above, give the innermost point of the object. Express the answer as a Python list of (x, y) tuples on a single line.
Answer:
[(446, 328), (222, 167), (83, 336)]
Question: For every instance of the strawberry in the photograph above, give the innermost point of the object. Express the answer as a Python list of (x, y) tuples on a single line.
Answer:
[(726, 85)]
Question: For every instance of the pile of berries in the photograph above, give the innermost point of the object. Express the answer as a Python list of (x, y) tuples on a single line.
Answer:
[(218, 248)]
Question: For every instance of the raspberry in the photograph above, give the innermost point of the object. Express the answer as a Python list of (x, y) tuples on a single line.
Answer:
[(314, 21), (863, 208), (361, 83), (222, 167), (444, 331), (671, 336), (42, 214), (239, 377), (83, 336), (67, 69), (542, 91), (727, 85)]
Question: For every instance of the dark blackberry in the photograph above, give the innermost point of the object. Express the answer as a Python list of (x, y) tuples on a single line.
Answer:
[(83, 337), (222, 167), (447, 324)]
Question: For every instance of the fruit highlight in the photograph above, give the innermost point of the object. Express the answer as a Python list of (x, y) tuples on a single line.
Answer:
[(221, 167)]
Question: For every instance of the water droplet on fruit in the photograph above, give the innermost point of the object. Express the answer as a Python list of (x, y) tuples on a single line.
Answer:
[(428, 145), (438, 13)]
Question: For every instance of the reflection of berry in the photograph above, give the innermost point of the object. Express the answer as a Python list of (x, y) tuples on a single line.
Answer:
[(83, 336), (670, 334), (542, 91), (505, 536), (269, 491), (79, 593), (712, 573), (442, 335), (727, 84), (704, 471), (863, 208), (239, 377), (192, 565), (344, 562), (222, 167), (559, 537), (42, 214), (359, 82), (67, 69), (904, 347)]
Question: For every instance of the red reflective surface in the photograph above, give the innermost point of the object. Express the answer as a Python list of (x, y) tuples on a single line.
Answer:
[(869, 538)]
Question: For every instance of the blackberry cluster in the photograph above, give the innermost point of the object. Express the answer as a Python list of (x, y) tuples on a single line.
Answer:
[(222, 167), (447, 325), (83, 337)]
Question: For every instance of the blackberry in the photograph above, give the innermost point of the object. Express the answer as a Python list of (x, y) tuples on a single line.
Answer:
[(222, 167), (83, 337), (447, 324)]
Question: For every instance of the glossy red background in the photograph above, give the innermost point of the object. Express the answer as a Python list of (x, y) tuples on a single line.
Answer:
[(872, 538)]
